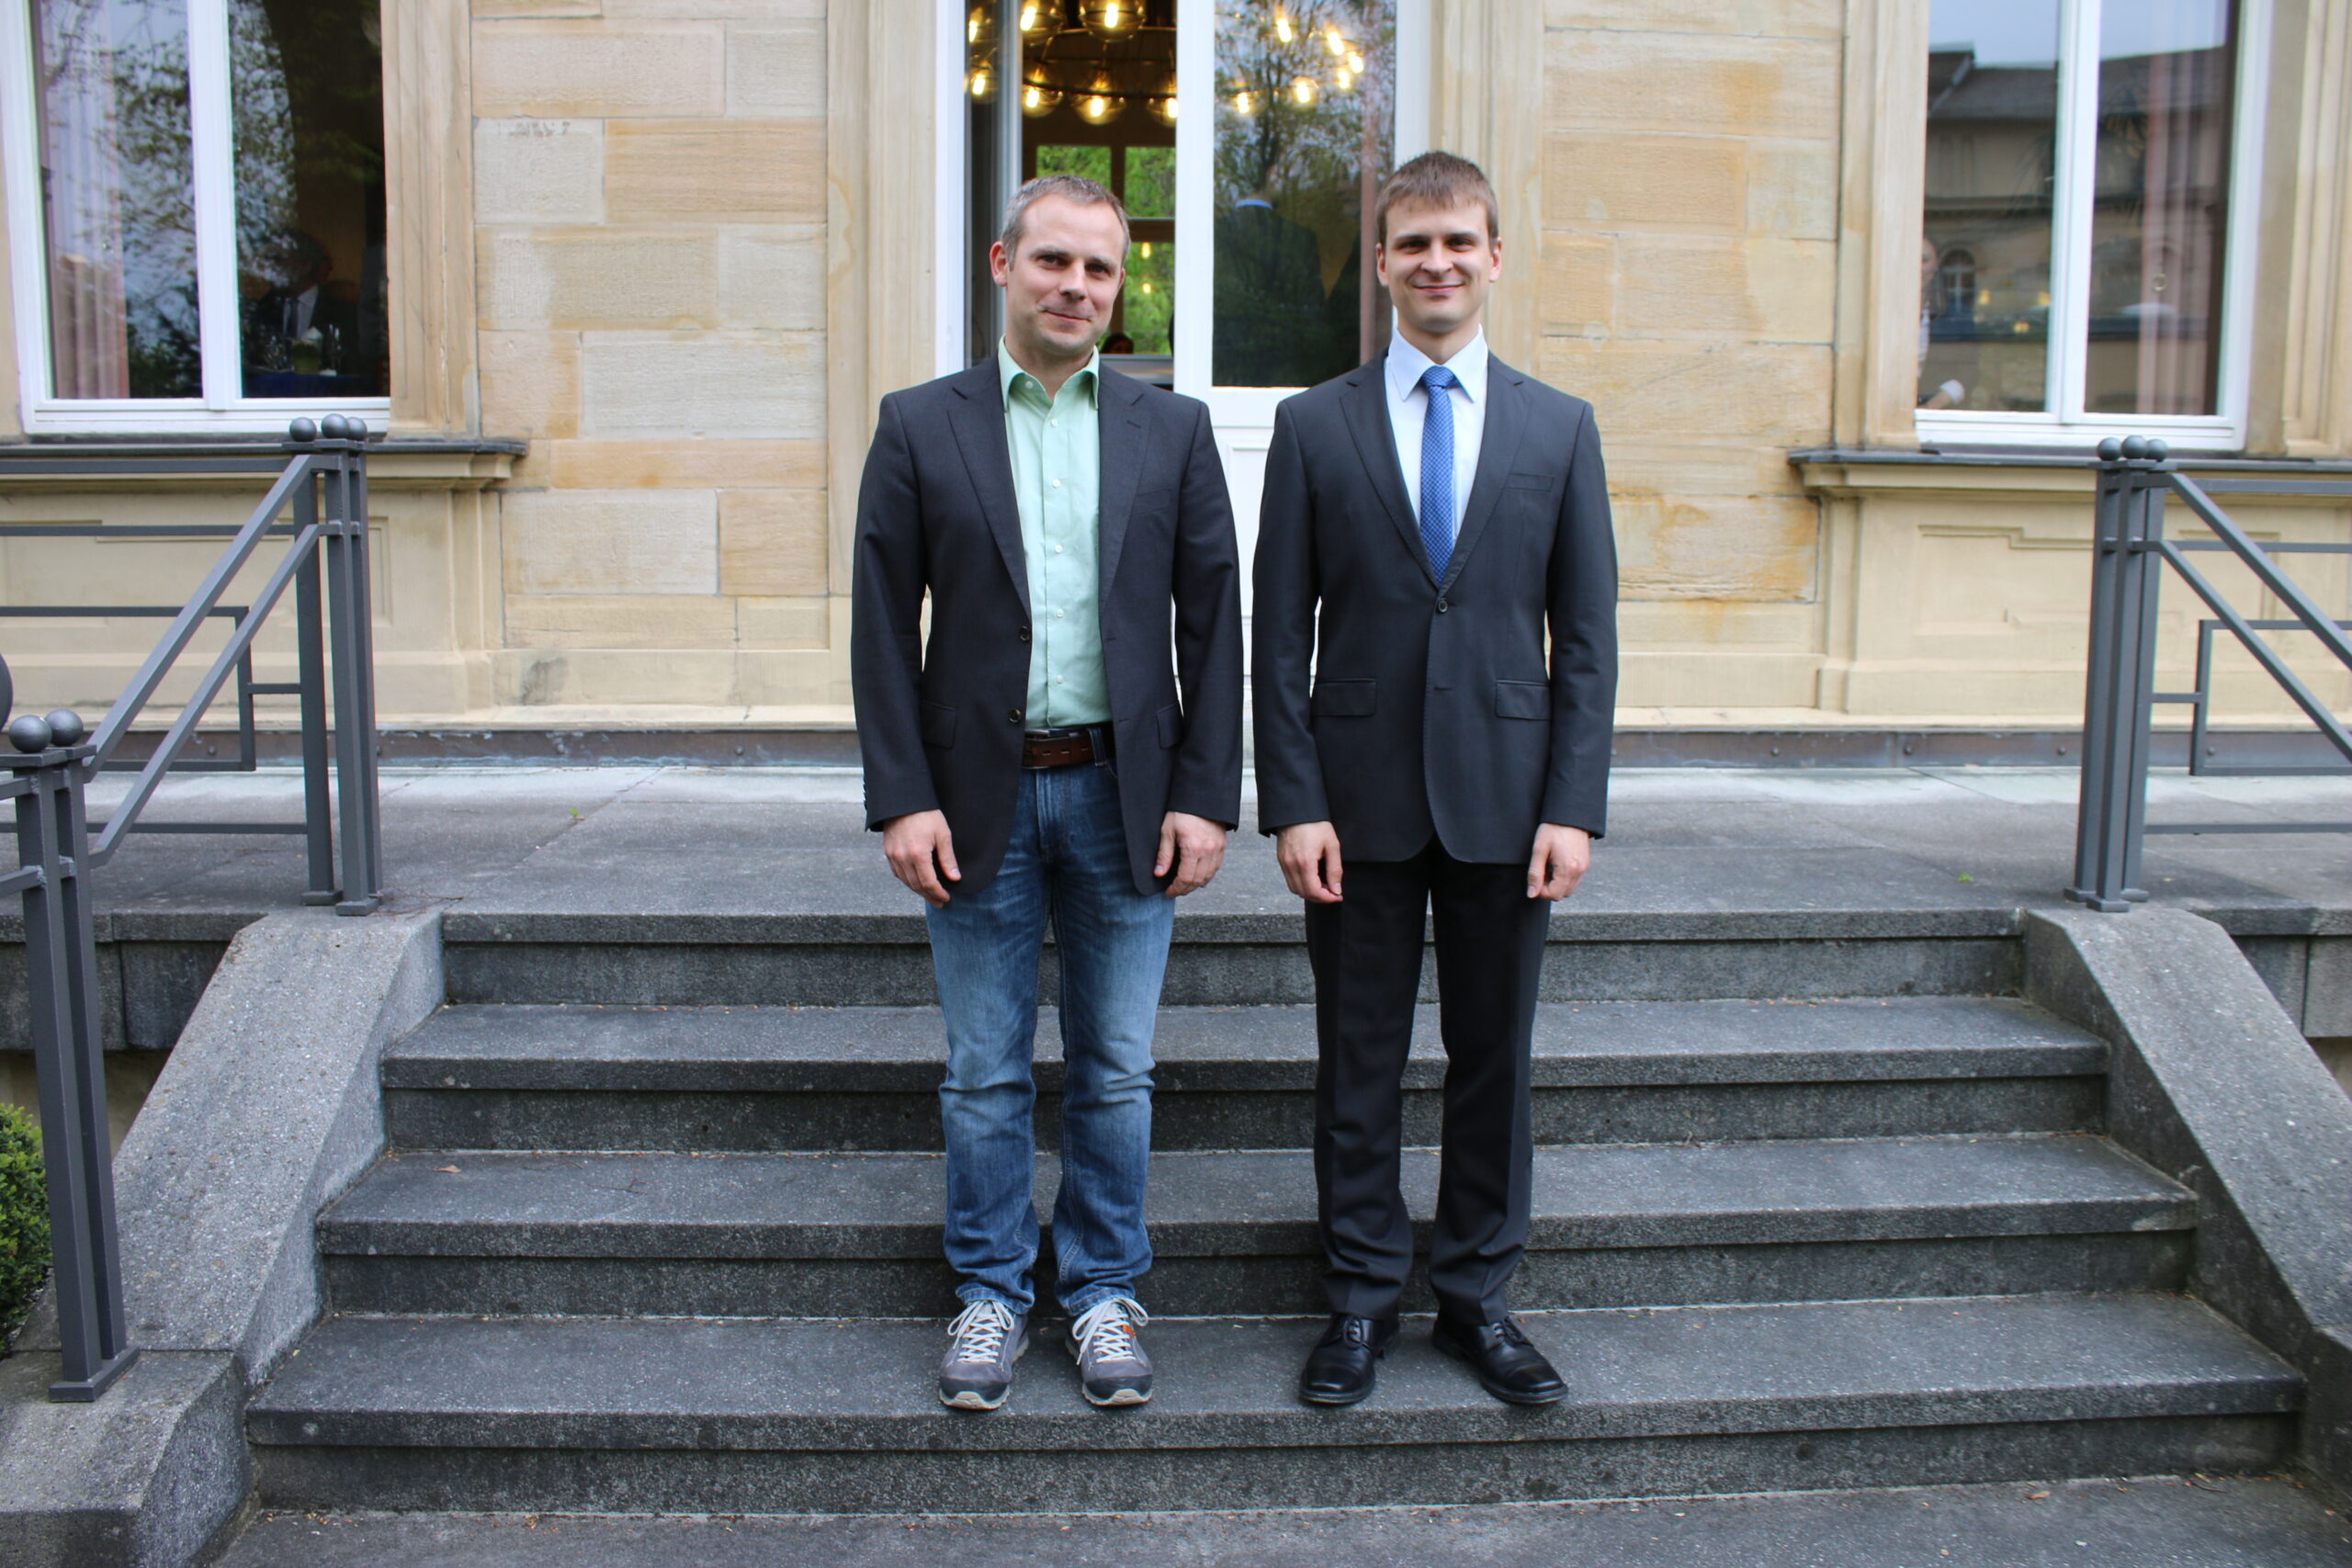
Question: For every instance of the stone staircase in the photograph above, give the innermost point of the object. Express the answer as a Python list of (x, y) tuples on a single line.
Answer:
[(659, 1233)]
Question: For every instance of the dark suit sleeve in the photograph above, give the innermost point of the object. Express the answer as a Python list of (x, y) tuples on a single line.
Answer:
[(1290, 772), (886, 635), (1205, 777), (1581, 607)]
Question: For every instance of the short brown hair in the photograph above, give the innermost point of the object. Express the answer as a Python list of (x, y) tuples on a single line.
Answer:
[(1069, 187), (1440, 180)]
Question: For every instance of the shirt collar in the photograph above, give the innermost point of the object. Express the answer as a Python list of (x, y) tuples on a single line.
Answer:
[(1008, 371), (1405, 364)]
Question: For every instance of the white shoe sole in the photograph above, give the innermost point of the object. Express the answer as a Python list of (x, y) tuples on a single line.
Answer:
[(1117, 1397)]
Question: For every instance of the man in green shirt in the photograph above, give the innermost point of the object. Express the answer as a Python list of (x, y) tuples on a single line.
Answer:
[(1064, 749)]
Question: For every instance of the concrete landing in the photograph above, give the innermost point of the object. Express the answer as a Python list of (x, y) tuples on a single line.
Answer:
[(2166, 1523), (790, 841)]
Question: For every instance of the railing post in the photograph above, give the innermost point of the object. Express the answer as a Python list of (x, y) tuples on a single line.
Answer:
[(69, 1063), (311, 675), (2120, 686), (351, 634)]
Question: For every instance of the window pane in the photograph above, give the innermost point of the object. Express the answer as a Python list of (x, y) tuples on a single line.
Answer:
[(118, 181), (1985, 260), (2166, 74), (1147, 308), (1152, 182), (309, 103), (1306, 112)]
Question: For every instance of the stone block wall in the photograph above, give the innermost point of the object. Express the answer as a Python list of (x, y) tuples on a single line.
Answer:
[(1688, 288), (651, 247)]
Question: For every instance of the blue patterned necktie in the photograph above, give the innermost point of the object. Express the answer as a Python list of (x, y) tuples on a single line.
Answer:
[(1437, 469)]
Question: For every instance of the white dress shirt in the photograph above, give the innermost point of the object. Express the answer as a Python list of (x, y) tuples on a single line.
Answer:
[(1408, 408)]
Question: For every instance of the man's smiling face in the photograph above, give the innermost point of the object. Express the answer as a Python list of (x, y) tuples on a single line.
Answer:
[(1439, 263), (1061, 286)]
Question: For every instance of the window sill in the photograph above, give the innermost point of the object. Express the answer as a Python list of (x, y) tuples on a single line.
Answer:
[(225, 462), (1857, 472)]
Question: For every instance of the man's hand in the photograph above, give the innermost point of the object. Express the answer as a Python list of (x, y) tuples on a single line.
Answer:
[(1309, 854), (922, 851), (1193, 847), (1559, 861)]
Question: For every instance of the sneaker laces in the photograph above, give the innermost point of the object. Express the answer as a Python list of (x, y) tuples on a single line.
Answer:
[(979, 1331), (1107, 1330)]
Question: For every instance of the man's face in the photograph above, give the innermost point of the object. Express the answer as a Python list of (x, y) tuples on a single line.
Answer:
[(1059, 289), (1439, 263)]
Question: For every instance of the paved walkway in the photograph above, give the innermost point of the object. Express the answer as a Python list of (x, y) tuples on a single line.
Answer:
[(2171, 1523), (730, 840)]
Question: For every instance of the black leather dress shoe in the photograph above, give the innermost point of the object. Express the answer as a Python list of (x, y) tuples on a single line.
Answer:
[(1509, 1366), (1341, 1367)]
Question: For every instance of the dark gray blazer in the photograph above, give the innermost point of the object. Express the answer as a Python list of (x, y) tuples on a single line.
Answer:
[(1435, 708), (939, 726)]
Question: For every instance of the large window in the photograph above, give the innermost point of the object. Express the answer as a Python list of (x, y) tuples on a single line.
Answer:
[(2085, 252), (195, 210), (1251, 266)]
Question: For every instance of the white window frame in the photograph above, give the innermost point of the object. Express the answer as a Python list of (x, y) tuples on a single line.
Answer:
[(2069, 425), (222, 409), (1195, 193)]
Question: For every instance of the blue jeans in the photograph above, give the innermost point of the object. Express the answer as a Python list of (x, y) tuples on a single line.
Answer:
[(1067, 864)]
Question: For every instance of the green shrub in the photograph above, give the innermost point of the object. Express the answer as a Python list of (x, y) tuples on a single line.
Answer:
[(23, 1218)]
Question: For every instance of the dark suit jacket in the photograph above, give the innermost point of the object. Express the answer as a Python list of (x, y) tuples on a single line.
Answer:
[(1434, 708), (940, 726)]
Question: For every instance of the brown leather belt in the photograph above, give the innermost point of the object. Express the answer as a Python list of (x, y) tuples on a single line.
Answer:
[(1065, 748)]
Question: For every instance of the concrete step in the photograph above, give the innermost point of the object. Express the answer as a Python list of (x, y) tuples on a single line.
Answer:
[(525, 1076), (884, 959), (1612, 1226), (2157, 1522), (646, 1415)]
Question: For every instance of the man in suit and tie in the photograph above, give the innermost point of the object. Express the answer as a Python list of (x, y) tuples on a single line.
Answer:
[(1435, 742), (1066, 749)]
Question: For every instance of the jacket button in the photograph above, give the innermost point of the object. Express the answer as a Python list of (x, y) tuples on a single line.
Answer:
[(1443, 606), (1024, 634), (1013, 715)]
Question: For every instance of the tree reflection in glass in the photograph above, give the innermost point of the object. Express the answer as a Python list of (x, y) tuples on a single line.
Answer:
[(309, 127), (118, 197), (1306, 117)]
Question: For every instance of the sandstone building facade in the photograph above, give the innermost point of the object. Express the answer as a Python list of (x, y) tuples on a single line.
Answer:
[(1855, 285)]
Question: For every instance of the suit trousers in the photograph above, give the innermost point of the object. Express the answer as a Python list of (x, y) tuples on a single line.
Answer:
[(1366, 954)]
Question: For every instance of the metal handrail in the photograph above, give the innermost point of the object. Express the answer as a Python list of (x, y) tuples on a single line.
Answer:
[(2120, 698), (324, 485)]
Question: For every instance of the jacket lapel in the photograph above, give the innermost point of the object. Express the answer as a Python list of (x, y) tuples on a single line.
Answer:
[(1121, 427), (979, 419), (1376, 437), (1498, 450)]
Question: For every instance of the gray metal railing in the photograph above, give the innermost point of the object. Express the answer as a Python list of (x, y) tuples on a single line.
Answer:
[(2130, 550), (324, 486)]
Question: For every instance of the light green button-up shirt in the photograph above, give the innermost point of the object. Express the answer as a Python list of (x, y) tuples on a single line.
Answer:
[(1057, 478)]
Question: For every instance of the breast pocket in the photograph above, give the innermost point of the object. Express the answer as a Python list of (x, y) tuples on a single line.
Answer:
[(1345, 699), (938, 725), (1522, 699)]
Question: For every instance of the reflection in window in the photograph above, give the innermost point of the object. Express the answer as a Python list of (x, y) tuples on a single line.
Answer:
[(1985, 264), (309, 103), (116, 181), (1093, 95), (2160, 218), (1305, 113)]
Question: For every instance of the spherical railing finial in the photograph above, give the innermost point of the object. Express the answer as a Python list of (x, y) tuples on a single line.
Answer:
[(65, 728), (303, 432), (2135, 447), (2159, 449), (29, 734), (334, 427), (2110, 450)]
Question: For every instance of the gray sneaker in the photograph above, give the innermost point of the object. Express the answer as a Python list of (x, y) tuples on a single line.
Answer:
[(1111, 1362), (977, 1373)]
